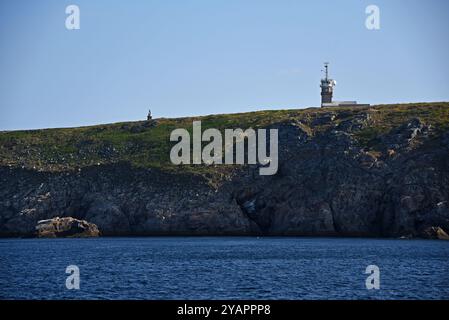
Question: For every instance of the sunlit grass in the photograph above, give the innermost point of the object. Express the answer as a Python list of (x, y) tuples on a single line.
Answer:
[(147, 145)]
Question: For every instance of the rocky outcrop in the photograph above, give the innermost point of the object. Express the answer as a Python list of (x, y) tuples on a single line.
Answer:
[(65, 227), (341, 173), (434, 233), (120, 200)]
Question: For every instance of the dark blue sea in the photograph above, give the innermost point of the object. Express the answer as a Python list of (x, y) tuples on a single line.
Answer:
[(223, 268)]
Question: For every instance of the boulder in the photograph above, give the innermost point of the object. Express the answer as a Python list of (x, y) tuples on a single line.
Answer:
[(434, 233), (65, 227)]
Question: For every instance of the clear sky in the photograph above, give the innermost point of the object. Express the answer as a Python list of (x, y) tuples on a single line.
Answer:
[(197, 57)]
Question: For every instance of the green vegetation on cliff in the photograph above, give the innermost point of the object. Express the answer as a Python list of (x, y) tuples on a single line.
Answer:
[(146, 144)]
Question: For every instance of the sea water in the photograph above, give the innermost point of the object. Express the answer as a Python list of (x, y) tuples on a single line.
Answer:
[(223, 268)]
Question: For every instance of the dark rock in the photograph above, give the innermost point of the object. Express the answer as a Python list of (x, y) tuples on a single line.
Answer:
[(406, 135), (324, 119), (434, 233)]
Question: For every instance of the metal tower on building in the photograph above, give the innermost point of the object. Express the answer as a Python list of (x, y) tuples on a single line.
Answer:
[(327, 86)]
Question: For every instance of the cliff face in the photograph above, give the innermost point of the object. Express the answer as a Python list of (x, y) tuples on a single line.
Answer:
[(380, 171)]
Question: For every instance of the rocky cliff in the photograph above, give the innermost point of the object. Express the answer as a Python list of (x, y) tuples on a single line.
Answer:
[(378, 171)]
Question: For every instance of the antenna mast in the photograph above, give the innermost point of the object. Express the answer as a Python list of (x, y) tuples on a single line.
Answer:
[(327, 86), (326, 66)]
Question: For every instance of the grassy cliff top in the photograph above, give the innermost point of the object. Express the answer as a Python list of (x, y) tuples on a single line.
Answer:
[(146, 143)]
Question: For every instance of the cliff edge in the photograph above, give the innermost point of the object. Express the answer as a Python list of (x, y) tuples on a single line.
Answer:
[(377, 171)]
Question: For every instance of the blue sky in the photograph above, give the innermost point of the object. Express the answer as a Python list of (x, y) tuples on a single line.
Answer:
[(200, 57)]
